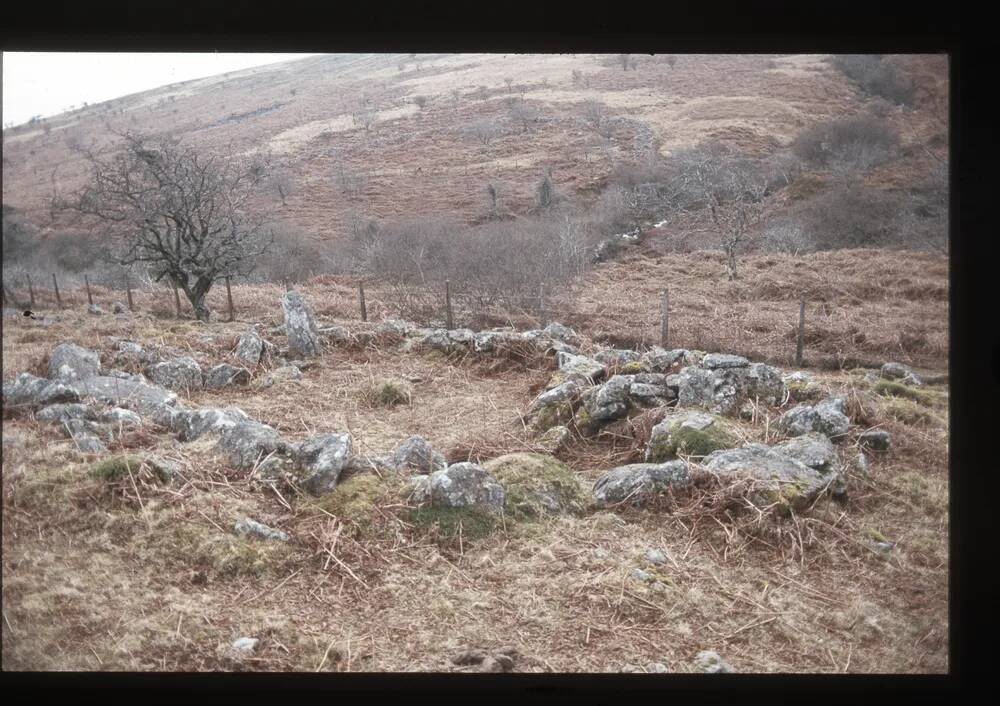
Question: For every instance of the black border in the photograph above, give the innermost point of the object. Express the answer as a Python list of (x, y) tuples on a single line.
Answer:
[(420, 26)]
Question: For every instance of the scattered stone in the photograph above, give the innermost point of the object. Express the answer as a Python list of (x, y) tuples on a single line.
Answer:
[(657, 668), (249, 347), (710, 662), (415, 454), (23, 391), (660, 360), (642, 575), (282, 374), (180, 374), (244, 645), (689, 434), (827, 417), (604, 403), (555, 439), (895, 371), (763, 382), (497, 663), (94, 309), (300, 325), (56, 392), (121, 417), (89, 444), (247, 443), (468, 656), (393, 328), (581, 366), (336, 334), (782, 478), (715, 361), (876, 439), (323, 459), (462, 485), (656, 556), (190, 425), (70, 362), (617, 356), (637, 483), (63, 411), (252, 528), (562, 333), (813, 450), (224, 375), (555, 406), (913, 379), (142, 396), (861, 463)]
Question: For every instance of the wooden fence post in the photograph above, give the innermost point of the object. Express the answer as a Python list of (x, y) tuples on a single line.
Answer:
[(664, 318), (541, 301), (800, 340), (86, 282), (31, 291), (55, 285), (361, 296), (229, 297), (177, 300), (447, 302), (128, 292)]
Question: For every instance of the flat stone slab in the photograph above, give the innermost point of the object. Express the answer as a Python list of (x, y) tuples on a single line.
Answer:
[(142, 396)]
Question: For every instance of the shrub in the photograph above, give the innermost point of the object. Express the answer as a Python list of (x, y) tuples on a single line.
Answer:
[(388, 393), (877, 76), (859, 142)]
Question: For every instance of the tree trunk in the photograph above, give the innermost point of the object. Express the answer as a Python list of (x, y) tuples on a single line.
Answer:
[(731, 262), (196, 295)]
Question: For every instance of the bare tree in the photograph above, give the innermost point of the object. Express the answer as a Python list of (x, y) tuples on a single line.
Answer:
[(596, 116), (733, 190), (484, 130), (509, 81), (421, 101), (545, 193), (364, 117), (188, 216), (491, 192), (623, 59), (524, 113)]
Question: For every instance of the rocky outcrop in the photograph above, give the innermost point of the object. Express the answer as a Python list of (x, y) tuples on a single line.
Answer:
[(246, 444), (780, 477), (225, 375)]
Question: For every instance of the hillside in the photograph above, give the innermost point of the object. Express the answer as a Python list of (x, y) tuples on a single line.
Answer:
[(423, 162)]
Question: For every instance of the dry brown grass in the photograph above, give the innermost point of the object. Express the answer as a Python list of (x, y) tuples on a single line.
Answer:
[(151, 576)]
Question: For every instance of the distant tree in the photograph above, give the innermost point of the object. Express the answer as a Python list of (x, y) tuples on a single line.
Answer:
[(364, 117), (524, 113), (421, 101), (633, 63), (456, 94), (545, 192), (187, 215), (623, 59), (509, 81), (491, 192), (485, 131), (731, 187)]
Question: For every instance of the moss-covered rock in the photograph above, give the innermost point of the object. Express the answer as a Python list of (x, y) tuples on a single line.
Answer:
[(537, 484), (689, 434), (357, 500), (119, 467), (889, 388)]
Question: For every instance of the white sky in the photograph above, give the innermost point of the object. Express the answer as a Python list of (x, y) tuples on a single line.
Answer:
[(48, 83)]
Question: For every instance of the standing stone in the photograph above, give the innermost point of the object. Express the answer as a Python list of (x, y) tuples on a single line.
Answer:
[(179, 374), (323, 458), (300, 325), (416, 455), (249, 347), (224, 375)]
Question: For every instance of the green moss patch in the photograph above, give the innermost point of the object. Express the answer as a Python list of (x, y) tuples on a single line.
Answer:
[(909, 412), (450, 522), (537, 484), (356, 501), (119, 467), (888, 388)]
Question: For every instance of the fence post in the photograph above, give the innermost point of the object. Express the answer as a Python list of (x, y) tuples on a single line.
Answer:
[(541, 301), (55, 285), (86, 282), (31, 291), (800, 340), (128, 292), (177, 300), (664, 318), (229, 297), (447, 302), (361, 296)]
